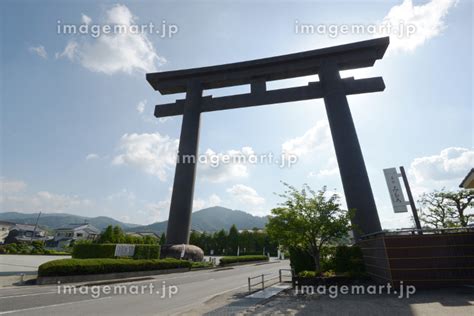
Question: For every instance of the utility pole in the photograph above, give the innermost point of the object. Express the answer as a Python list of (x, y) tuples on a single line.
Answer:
[(36, 225), (410, 199)]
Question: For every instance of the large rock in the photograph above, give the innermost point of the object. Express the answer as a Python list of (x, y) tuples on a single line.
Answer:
[(191, 252)]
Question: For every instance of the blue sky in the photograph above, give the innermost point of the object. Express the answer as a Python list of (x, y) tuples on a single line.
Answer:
[(78, 133)]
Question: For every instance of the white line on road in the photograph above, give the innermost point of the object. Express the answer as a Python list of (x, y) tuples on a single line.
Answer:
[(24, 295), (53, 305)]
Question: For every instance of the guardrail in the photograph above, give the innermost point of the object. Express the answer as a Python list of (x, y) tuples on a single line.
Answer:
[(262, 281)]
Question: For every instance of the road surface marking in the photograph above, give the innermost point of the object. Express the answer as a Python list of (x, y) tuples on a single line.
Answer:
[(30, 294), (53, 305)]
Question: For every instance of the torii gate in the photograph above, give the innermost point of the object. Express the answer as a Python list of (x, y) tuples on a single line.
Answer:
[(327, 63)]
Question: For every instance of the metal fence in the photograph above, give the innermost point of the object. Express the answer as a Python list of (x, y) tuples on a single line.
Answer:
[(414, 231), (261, 281)]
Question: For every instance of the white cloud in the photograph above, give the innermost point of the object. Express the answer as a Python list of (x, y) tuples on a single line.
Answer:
[(246, 195), (225, 166), (43, 201), (427, 18), (448, 167), (317, 137), (156, 154), (115, 52), (331, 169), (153, 153), (123, 195), (92, 156), (11, 186), (141, 106), (39, 50), (155, 212), (69, 51), (85, 19), (213, 200)]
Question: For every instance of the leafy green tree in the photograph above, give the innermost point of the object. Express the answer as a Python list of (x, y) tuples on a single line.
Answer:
[(310, 220), (220, 238), (163, 239), (233, 240), (119, 235), (107, 236), (447, 209)]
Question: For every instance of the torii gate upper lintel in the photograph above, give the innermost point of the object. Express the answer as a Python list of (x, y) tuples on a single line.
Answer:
[(327, 63)]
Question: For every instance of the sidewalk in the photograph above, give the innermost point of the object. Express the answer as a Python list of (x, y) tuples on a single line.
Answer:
[(448, 301)]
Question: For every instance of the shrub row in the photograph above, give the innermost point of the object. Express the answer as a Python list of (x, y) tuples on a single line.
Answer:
[(341, 259), (26, 249), (88, 251), (235, 259), (147, 251), (64, 267)]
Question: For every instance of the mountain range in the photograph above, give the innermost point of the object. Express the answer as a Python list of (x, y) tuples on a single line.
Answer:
[(209, 219), (56, 220)]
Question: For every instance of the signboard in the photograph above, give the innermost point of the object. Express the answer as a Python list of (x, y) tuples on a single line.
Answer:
[(124, 250), (395, 189)]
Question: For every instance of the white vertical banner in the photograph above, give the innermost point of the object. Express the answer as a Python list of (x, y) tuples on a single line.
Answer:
[(124, 250), (183, 251), (395, 189)]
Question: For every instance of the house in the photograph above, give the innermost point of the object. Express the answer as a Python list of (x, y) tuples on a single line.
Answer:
[(143, 234), (65, 236), (5, 230), (26, 233), (468, 182)]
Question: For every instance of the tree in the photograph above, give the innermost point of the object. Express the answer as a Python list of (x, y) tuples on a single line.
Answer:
[(233, 240), (220, 238), (445, 209), (163, 239), (107, 236), (310, 220), (119, 235)]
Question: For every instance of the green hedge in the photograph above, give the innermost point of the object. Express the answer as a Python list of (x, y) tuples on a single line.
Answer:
[(64, 267), (235, 259), (86, 251), (147, 251), (349, 260), (341, 259), (89, 251), (301, 260)]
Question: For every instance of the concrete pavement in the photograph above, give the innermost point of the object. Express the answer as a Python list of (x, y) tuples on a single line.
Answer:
[(28, 264), (196, 293)]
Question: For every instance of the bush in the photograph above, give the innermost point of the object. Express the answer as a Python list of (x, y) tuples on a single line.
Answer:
[(87, 250), (308, 274), (235, 259), (147, 251), (349, 260), (301, 260), (64, 267), (13, 248), (203, 264)]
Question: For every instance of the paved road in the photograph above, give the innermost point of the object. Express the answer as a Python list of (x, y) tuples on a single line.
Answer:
[(193, 289), (28, 264)]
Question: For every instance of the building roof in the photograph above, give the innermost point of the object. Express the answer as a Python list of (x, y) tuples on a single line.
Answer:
[(7, 223), (468, 181), (86, 227), (143, 234), (26, 227)]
